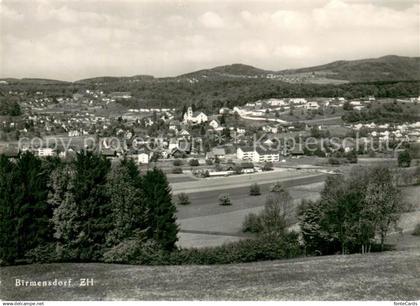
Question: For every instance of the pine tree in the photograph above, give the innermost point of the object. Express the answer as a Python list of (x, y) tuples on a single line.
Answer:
[(161, 211), (93, 205), (129, 214), (8, 220), (66, 220), (32, 210)]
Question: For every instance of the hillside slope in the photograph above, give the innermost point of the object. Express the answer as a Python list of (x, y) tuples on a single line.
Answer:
[(390, 67), (227, 71), (381, 276)]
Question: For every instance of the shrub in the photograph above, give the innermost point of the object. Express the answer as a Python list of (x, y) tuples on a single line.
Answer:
[(268, 166), (248, 250), (177, 170), (183, 199), (209, 162), (416, 231), (254, 190), (194, 163), (274, 219), (404, 159), (224, 199), (238, 170), (136, 251), (124, 252), (252, 224), (352, 157), (333, 161), (44, 253), (277, 187), (177, 162)]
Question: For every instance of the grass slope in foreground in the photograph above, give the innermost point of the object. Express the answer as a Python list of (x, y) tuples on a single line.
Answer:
[(380, 276)]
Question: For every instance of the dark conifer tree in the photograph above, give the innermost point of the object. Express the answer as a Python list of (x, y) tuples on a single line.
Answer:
[(161, 210), (32, 212), (92, 203), (8, 218), (129, 214)]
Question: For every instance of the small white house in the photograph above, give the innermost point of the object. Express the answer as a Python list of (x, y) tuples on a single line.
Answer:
[(184, 132), (312, 105), (173, 144), (214, 124), (143, 158), (356, 103), (43, 152), (74, 133), (297, 100), (240, 130)]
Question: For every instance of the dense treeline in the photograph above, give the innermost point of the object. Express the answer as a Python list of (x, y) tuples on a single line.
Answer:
[(80, 210), (214, 93), (88, 209), (9, 107), (384, 113)]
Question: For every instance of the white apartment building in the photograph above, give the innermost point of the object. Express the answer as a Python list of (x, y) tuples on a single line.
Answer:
[(245, 153), (261, 155), (257, 154)]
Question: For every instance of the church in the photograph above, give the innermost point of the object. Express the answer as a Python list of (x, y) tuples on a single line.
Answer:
[(194, 117)]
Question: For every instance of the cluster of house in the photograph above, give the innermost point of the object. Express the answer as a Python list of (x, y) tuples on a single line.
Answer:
[(76, 124), (178, 140), (408, 131)]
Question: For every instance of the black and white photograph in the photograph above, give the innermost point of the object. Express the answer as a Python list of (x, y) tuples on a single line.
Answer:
[(210, 151)]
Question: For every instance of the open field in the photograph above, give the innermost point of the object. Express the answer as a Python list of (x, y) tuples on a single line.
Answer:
[(204, 203), (244, 180), (375, 276), (205, 223), (179, 178)]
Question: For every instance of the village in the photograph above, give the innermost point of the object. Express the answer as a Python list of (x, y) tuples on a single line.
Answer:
[(230, 141)]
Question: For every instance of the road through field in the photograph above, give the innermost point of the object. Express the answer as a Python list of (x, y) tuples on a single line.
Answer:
[(299, 177)]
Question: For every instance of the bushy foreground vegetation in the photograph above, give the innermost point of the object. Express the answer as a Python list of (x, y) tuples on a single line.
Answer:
[(354, 214), (52, 210), (264, 247), (416, 231), (87, 210)]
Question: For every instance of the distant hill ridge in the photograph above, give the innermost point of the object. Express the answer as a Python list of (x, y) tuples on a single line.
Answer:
[(386, 68), (390, 67)]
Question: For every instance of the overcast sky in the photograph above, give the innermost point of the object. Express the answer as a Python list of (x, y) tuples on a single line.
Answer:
[(72, 39)]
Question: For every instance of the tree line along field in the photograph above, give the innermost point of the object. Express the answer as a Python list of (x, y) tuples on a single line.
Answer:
[(210, 95)]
